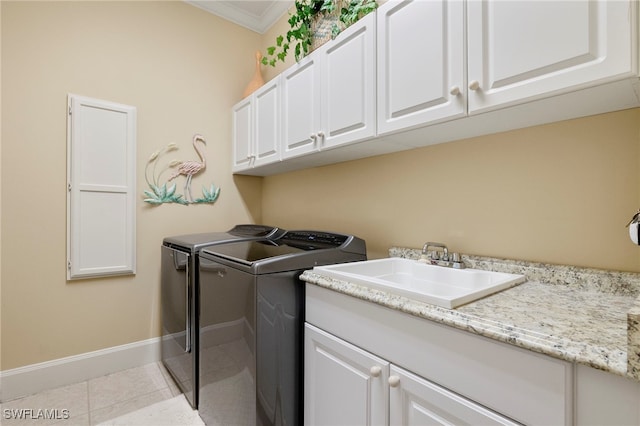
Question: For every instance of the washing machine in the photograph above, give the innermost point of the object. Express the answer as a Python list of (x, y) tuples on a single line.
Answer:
[(252, 325), (179, 293)]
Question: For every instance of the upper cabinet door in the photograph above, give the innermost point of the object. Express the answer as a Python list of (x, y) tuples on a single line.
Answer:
[(242, 135), (301, 107), (266, 105), (522, 50), (420, 63), (348, 85)]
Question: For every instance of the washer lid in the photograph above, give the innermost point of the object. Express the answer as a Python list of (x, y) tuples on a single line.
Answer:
[(295, 250), (194, 242)]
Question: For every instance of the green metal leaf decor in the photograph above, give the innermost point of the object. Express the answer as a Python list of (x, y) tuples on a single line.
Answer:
[(164, 193), (209, 196), (307, 14)]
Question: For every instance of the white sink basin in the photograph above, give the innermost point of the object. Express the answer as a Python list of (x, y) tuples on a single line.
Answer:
[(446, 287)]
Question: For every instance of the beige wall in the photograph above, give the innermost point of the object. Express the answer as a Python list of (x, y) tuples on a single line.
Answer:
[(558, 193), (182, 68)]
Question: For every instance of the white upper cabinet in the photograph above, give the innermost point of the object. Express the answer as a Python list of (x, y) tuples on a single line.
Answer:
[(242, 135), (523, 50), (421, 72), (421, 63), (348, 85), (266, 101), (328, 98), (301, 107), (256, 128), (442, 60)]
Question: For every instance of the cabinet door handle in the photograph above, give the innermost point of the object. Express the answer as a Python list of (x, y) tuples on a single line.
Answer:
[(474, 85), (455, 90), (394, 381), (375, 371)]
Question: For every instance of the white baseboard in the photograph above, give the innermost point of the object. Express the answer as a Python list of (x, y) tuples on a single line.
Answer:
[(35, 378)]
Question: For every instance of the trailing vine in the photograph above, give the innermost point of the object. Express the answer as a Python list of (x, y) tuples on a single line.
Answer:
[(301, 33)]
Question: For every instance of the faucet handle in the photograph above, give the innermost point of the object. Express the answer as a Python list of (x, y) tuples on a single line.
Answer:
[(456, 261)]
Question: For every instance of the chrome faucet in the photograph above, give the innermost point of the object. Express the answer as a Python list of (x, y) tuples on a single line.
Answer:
[(435, 255), (453, 261)]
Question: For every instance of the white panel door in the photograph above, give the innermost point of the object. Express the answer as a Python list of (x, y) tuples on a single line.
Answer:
[(266, 107), (348, 85), (344, 385), (301, 107), (522, 50), (242, 135), (421, 63), (101, 202), (415, 401)]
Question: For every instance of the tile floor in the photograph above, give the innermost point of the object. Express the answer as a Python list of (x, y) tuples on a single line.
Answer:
[(97, 400)]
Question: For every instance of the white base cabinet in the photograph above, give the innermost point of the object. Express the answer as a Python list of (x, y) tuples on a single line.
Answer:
[(345, 385), (366, 360), (515, 383), (414, 401)]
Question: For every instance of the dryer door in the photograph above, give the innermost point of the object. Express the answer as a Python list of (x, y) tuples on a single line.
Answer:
[(176, 300), (227, 362)]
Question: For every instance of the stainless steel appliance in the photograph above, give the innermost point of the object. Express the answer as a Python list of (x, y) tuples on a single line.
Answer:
[(179, 288), (252, 322)]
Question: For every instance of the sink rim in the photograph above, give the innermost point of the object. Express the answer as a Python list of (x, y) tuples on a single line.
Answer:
[(457, 295)]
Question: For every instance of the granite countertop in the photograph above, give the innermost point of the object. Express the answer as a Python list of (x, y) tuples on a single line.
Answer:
[(581, 315)]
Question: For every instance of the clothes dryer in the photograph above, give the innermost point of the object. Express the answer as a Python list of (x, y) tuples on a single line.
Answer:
[(252, 325), (179, 292)]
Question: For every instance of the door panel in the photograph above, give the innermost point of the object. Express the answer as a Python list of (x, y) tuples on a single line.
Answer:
[(176, 300), (348, 78), (522, 50), (340, 388), (416, 401), (301, 107), (420, 63)]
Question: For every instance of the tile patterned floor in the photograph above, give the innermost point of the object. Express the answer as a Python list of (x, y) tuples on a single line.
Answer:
[(94, 401)]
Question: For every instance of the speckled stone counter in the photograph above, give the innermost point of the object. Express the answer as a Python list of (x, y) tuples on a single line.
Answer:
[(581, 315)]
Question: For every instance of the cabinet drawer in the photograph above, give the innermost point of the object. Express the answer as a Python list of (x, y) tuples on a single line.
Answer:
[(525, 386)]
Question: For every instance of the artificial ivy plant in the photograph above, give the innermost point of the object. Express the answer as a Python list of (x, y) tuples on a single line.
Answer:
[(300, 23)]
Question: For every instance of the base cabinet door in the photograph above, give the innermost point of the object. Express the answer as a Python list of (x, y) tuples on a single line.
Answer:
[(416, 401), (344, 385)]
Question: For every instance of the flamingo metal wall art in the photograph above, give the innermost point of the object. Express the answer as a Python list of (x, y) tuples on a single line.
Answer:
[(165, 193)]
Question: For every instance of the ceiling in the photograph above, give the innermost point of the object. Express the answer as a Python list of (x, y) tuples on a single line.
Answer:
[(257, 15)]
